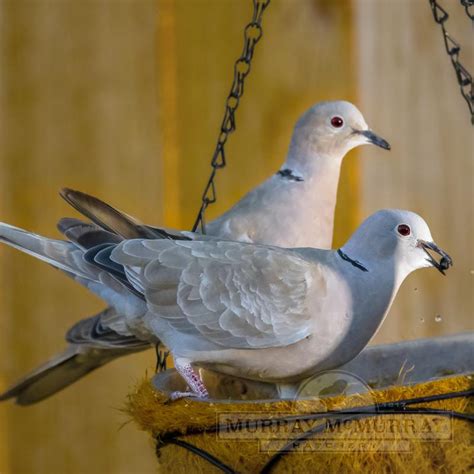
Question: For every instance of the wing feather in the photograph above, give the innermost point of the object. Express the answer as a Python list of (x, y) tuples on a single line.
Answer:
[(234, 294)]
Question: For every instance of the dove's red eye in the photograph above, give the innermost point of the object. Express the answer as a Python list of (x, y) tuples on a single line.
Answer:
[(337, 122), (404, 230)]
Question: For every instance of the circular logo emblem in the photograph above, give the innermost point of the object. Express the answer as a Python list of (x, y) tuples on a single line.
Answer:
[(333, 383)]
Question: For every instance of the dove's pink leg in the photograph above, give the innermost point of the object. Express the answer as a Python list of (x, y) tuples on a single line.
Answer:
[(192, 379)]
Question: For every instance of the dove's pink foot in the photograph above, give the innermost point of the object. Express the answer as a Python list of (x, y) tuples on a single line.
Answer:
[(198, 390), (178, 395)]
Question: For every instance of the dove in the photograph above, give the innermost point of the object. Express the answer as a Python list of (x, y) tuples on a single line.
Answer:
[(293, 208), (254, 311)]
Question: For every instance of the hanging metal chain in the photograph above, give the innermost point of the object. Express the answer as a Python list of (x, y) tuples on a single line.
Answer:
[(252, 34), (453, 49), (467, 4)]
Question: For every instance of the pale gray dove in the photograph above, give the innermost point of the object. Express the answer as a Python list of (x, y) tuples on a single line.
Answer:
[(250, 310)]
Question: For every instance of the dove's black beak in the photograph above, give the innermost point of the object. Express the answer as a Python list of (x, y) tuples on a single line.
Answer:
[(445, 262), (374, 139)]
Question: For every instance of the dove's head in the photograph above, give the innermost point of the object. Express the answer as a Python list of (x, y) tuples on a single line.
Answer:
[(400, 239), (328, 130)]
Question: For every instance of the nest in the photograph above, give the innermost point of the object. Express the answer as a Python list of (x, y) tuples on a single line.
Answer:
[(258, 436)]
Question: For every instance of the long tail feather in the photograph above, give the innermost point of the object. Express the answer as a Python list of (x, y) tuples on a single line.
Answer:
[(93, 342), (59, 372), (106, 216), (57, 253), (115, 221)]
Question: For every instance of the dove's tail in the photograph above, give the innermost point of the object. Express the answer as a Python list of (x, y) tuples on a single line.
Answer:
[(56, 374), (60, 254), (93, 341), (59, 372), (92, 344)]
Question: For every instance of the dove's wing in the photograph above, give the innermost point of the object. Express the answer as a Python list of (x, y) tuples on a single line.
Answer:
[(235, 294)]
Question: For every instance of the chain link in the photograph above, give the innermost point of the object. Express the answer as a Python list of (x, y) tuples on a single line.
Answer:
[(454, 49), (252, 34), (467, 4)]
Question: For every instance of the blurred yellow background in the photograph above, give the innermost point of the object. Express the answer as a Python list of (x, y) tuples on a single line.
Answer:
[(123, 99)]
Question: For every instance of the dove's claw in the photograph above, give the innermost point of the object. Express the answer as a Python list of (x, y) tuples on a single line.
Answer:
[(178, 395), (192, 379)]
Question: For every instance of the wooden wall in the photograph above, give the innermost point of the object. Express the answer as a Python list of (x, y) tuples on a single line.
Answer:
[(409, 90)]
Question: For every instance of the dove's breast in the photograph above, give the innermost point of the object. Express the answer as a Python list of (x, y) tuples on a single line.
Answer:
[(280, 213)]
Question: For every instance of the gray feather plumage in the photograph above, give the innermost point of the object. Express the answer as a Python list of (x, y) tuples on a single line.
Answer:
[(246, 295)]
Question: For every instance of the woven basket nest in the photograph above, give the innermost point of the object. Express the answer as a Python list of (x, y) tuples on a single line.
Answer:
[(379, 444)]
